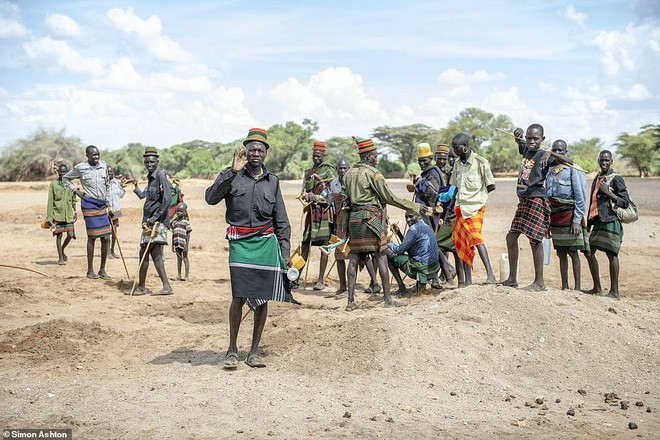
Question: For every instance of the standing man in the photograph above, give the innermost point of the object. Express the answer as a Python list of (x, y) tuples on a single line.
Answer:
[(427, 187), (155, 222), (444, 160), (317, 215), (117, 191), (259, 239), (566, 190), (532, 217), (337, 189), (473, 181), (365, 187), (607, 189), (94, 201), (442, 152), (61, 212)]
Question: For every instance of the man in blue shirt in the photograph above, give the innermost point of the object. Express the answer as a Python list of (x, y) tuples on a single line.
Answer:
[(566, 190), (416, 256)]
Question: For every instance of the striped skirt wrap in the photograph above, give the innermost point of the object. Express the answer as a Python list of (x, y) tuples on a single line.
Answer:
[(606, 236), (467, 234), (317, 225), (97, 221), (64, 228), (532, 218), (257, 270), (366, 229), (561, 219)]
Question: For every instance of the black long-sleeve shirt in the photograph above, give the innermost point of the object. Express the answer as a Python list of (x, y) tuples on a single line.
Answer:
[(252, 203), (158, 194)]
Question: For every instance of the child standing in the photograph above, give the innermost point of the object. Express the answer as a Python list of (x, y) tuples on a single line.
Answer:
[(61, 212), (181, 229)]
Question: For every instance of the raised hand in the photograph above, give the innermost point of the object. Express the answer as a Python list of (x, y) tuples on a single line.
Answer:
[(239, 160), (518, 133)]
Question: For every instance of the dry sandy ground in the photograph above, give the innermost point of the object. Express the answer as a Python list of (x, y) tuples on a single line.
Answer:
[(456, 363)]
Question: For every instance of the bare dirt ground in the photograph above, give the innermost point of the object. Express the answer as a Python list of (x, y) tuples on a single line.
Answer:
[(456, 363)]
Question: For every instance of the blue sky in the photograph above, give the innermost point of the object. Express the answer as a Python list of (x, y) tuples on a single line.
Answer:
[(165, 72)]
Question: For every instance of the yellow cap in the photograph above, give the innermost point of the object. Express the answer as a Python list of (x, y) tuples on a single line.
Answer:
[(424, 150)]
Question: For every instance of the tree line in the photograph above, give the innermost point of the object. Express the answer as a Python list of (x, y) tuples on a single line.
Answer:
[(35, 157)]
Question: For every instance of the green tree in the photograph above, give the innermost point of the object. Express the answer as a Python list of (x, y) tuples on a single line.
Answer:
[(127, 160), (640, 150), (403, 140), (585, 153), (481, 127), (201, 164), (340, 147), (36, 156), (290, 148)]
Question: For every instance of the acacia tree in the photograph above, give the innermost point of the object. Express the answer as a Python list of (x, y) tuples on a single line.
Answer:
[(290, 148), (641, 150), (403, 140), (35, 157), (480, 127), (585, 153)]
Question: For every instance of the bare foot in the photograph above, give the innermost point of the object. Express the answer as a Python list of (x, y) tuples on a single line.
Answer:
[(164, 291), (393, 304), (92, 275), (61, 262), (351, 306), (490, 280), (593, 291), (510, 283), (535, 288), (103, 275), (613, 294)]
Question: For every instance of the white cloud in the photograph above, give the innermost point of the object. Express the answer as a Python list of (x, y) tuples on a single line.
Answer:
[(334, 98), (46, 50), (10, 24), (633, 51), (576, 17), (454, 76), (63, 26), (149, 32), (597, 92)]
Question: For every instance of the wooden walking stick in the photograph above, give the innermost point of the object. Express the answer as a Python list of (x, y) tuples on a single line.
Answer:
[(121, 254), (146, 251), (520, 139), (23, 268)]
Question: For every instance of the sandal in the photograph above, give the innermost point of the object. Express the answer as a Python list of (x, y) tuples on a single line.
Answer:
[(253, 360), (230, 362)]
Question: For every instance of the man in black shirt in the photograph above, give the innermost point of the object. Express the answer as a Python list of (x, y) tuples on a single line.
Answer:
[(259, 239), (155, 221)]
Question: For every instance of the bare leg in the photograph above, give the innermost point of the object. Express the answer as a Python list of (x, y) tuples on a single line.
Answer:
[(563, 267), (467, 274), (341, 273), (323, 265), (304, 250), (371, 269), (105, 242), (60, 251), (614, 275), (537, 257), (112, 245), (447, 269), (235, 311), (483, 254), (90, 258), (179, 263), (142, 274), (459, 269), (159, 262), (577, 268), (186, 263), (380, 261), (67, 240), (395, 271), (352, 275), (512, 249), (595, 275), (260, 315)]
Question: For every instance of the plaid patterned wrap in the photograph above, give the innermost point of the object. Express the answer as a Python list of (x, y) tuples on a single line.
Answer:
[(467, 234), (532, 218), (366, 230), (561, 220)]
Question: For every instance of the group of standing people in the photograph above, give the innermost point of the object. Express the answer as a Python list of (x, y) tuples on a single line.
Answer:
[(99, 194)]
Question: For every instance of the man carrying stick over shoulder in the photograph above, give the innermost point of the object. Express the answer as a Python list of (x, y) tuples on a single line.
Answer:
[(259, 236), (532, 217)]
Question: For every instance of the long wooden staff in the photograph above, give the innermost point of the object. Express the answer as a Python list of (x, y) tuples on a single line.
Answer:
[(563, 163), (121, 254), (23, 268), (146, 251)]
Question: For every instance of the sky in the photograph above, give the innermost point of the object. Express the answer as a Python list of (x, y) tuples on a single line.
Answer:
[(166, 72)]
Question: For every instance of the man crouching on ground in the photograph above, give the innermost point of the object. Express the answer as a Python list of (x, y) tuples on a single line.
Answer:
[(259, 239)]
